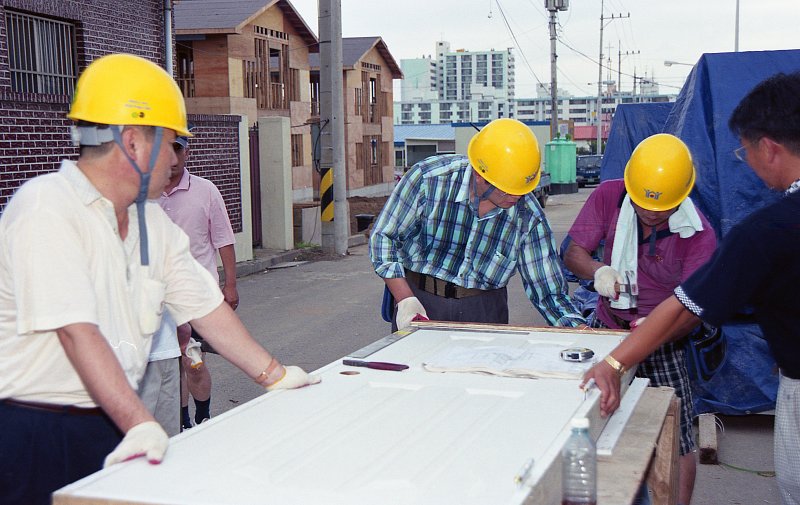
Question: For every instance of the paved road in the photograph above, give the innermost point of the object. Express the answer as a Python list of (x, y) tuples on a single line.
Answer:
[(312, 314)]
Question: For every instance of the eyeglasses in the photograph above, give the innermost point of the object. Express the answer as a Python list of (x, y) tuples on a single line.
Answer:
[(177, 147), (741, 151)]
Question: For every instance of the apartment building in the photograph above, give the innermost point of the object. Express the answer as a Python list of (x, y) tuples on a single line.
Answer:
[(456, 86), (470, 86)]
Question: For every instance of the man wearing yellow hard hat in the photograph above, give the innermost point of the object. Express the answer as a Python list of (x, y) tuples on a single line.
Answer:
[(755, 268), (456, 228), (654, 239), (87, 268)]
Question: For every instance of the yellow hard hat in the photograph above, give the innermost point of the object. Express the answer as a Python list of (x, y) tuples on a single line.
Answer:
[(660, 173), (506, 153), (123, 89)]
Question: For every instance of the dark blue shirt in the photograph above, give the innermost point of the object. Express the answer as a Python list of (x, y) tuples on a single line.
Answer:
[(757, 265)]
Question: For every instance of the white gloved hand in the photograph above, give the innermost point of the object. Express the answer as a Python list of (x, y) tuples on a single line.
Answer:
[(605, 281), (295, 377), (407, 310), (194, 351), (145, 439)]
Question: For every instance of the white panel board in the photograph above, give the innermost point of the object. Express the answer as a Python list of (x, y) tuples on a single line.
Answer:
[(369, 437)]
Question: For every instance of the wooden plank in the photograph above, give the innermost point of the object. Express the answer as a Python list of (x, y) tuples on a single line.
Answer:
[(708, 439), (663, 475), (512, 328), (620, 476)]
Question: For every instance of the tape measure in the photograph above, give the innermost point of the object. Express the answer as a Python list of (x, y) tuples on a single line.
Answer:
[(578, 354)]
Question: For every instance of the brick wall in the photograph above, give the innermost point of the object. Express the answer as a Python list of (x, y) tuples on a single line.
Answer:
[(214, 155), (34, 132)]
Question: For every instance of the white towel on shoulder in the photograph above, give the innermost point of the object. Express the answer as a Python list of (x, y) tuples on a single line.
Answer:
[(625, 252), (685, 221), (625, 256)]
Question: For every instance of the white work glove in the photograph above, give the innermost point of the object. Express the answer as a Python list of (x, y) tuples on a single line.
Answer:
[(295, 377), (637, 322), (605, 281), (145, 439), (407, 310), (194, 351)]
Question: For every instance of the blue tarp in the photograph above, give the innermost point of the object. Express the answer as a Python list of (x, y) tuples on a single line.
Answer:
[(633, 122), (746, 383), (726, 191)]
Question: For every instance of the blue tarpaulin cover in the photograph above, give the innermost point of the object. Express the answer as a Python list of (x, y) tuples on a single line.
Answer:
[(726, 190), (633, 122)]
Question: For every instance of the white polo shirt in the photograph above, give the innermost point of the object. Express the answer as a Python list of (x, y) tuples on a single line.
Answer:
[(62, 262)]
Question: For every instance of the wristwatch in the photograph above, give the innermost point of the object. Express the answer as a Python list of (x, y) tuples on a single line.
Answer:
[(616, 365)]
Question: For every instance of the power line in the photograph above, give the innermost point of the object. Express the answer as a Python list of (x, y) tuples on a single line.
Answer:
[(611, 69), (519, 47)]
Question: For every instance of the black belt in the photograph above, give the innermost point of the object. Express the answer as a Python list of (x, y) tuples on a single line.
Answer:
[(52, 408), (439, 287), (624, 324)]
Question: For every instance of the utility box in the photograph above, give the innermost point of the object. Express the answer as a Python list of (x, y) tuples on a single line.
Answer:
[(307, 226), (559, 160)]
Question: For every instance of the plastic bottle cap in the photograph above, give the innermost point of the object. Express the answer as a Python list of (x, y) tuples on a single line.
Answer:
[(580, 422)]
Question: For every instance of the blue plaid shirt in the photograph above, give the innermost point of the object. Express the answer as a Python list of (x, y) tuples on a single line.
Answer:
[(428, 225)]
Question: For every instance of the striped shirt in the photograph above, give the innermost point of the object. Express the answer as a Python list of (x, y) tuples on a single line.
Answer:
[(429, 225)]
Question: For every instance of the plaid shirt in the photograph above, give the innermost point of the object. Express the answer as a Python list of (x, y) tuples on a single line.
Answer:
[(429, 225)]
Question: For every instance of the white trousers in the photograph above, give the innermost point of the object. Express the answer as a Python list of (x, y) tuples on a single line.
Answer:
[(787, 440)]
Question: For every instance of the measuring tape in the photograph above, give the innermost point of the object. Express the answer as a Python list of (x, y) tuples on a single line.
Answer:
[(577, 354)]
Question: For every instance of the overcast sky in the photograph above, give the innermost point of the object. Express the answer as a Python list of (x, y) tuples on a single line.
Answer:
[(659, 30)]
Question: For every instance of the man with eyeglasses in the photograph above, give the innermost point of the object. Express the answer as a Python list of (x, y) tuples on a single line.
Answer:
[(196, 205), (755, 266), (456, 228)]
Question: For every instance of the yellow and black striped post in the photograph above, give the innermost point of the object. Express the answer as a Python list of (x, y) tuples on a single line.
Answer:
[(326, 194)]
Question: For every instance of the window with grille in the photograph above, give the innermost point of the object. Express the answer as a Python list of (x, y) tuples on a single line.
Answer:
[(357, 101), (41, 54), (185, 78), (297, 150)]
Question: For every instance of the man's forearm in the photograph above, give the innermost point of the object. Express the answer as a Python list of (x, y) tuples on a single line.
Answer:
[(579, 261), (228, 256), (399, 288), (226, 333), (669, 321), (101, 373)]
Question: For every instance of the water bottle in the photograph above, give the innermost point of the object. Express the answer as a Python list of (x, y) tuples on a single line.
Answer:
[(579, 466)]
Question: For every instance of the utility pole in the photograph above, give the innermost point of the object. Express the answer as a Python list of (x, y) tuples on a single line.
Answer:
[(736, 42), (599, 111), (553, 6), (619, 68), (335, 231)]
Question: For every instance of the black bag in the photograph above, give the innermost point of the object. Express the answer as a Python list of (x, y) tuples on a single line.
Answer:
[(706, 352)]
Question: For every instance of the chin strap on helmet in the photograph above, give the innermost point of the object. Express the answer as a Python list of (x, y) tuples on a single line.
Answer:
[(144, 184), (476, 200)]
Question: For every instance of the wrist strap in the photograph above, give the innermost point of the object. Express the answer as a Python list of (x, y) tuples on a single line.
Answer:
[(263, 377), (616, 365)]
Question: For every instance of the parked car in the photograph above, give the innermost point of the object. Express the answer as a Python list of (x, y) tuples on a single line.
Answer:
[(543, 189), (587, 169)]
